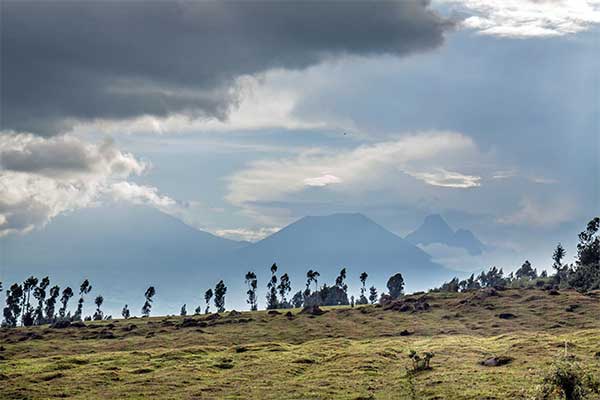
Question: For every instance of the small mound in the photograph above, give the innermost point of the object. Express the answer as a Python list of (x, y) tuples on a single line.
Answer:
[(273, 312), (312, 310)]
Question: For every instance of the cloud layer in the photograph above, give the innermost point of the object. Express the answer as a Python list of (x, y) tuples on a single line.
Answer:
[(528, 18), (404, 165), (43, 177), (67, 61)]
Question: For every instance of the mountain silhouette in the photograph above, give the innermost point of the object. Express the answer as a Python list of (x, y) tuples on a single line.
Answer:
[(435, 230), (123, 250)]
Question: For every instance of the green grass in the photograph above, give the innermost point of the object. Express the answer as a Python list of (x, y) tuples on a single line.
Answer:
[(344, 354)]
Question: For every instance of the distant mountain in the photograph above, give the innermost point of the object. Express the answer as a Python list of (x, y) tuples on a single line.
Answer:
[(327, 243), (435, 230), (123, 250)]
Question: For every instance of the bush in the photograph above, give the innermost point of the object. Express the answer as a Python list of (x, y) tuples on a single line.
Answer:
[(568, 380), (420, 363)]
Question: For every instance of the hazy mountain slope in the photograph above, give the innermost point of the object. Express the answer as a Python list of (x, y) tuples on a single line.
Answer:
[(328, 243), (435, 230), (123, 250)]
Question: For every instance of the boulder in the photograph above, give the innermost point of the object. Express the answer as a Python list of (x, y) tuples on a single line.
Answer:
[(507, 316), (496, 361)]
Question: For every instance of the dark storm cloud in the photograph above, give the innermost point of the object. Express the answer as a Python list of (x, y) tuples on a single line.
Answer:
[(74, 60)]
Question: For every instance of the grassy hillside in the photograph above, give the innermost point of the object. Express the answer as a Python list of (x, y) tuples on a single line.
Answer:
[(346, 353)]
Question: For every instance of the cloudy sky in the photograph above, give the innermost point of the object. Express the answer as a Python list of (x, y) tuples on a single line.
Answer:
[(239, 118)]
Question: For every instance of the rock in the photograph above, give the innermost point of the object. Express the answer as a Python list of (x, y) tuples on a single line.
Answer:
[(405, 333), (407, 305), (273, 312), (597, 355), (78, 324), (241, 349), (129, 328), (212, 317), (61, 324), (191, 322), (289, 315), (312, 310), (507, 316), (234, 313), (496, 361), (553, 292), (572, 307)]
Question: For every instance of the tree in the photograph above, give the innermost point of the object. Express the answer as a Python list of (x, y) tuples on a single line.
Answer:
[(339, 281), (51, 303), (220, 291), (469, 284), (98, 315), (252, 283), (298, 299), (373, 295), (311, 276), (12, 310), (272, 289), (493, 278), (285, 286), (207, 296), (588, 248), (40, 295), (125, 312), (183, 311), (26, 309), (147, 307), (395, 285), (64, 300), (363, 289), (562, 272), (451, 286), (84, 289), (526, 271)]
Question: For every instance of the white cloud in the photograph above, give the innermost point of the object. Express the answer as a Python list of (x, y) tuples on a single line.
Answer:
[(246, 234), (449, 179), (541, 213), (41, 178), (322, 180), (381, 166), (527, 18), (137, 194)]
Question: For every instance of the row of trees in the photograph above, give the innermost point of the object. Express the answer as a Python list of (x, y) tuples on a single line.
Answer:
[(583, 275)]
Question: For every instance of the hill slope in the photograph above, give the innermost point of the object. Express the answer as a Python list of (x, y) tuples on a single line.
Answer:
[(344, 354)]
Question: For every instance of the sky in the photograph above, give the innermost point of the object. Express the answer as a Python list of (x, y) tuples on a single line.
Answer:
[(240, 118)]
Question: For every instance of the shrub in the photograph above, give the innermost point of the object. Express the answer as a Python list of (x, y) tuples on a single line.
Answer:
[(568, 380), (420, 363)]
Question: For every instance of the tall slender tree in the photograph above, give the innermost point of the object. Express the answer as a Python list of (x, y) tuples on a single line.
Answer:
[(39, 292), (285, 286), (13, 308), (98, 315), (67, 293), (252, 283), (363, 280), (220, 291), (51, 303), (125, 312), (183, 311), (340, 281), (26, 309), (373, 295), (147, 307), (272, 289), (207, 296), (84, 289)]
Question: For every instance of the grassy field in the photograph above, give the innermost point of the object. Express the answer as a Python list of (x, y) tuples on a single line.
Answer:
[(346, 353)]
